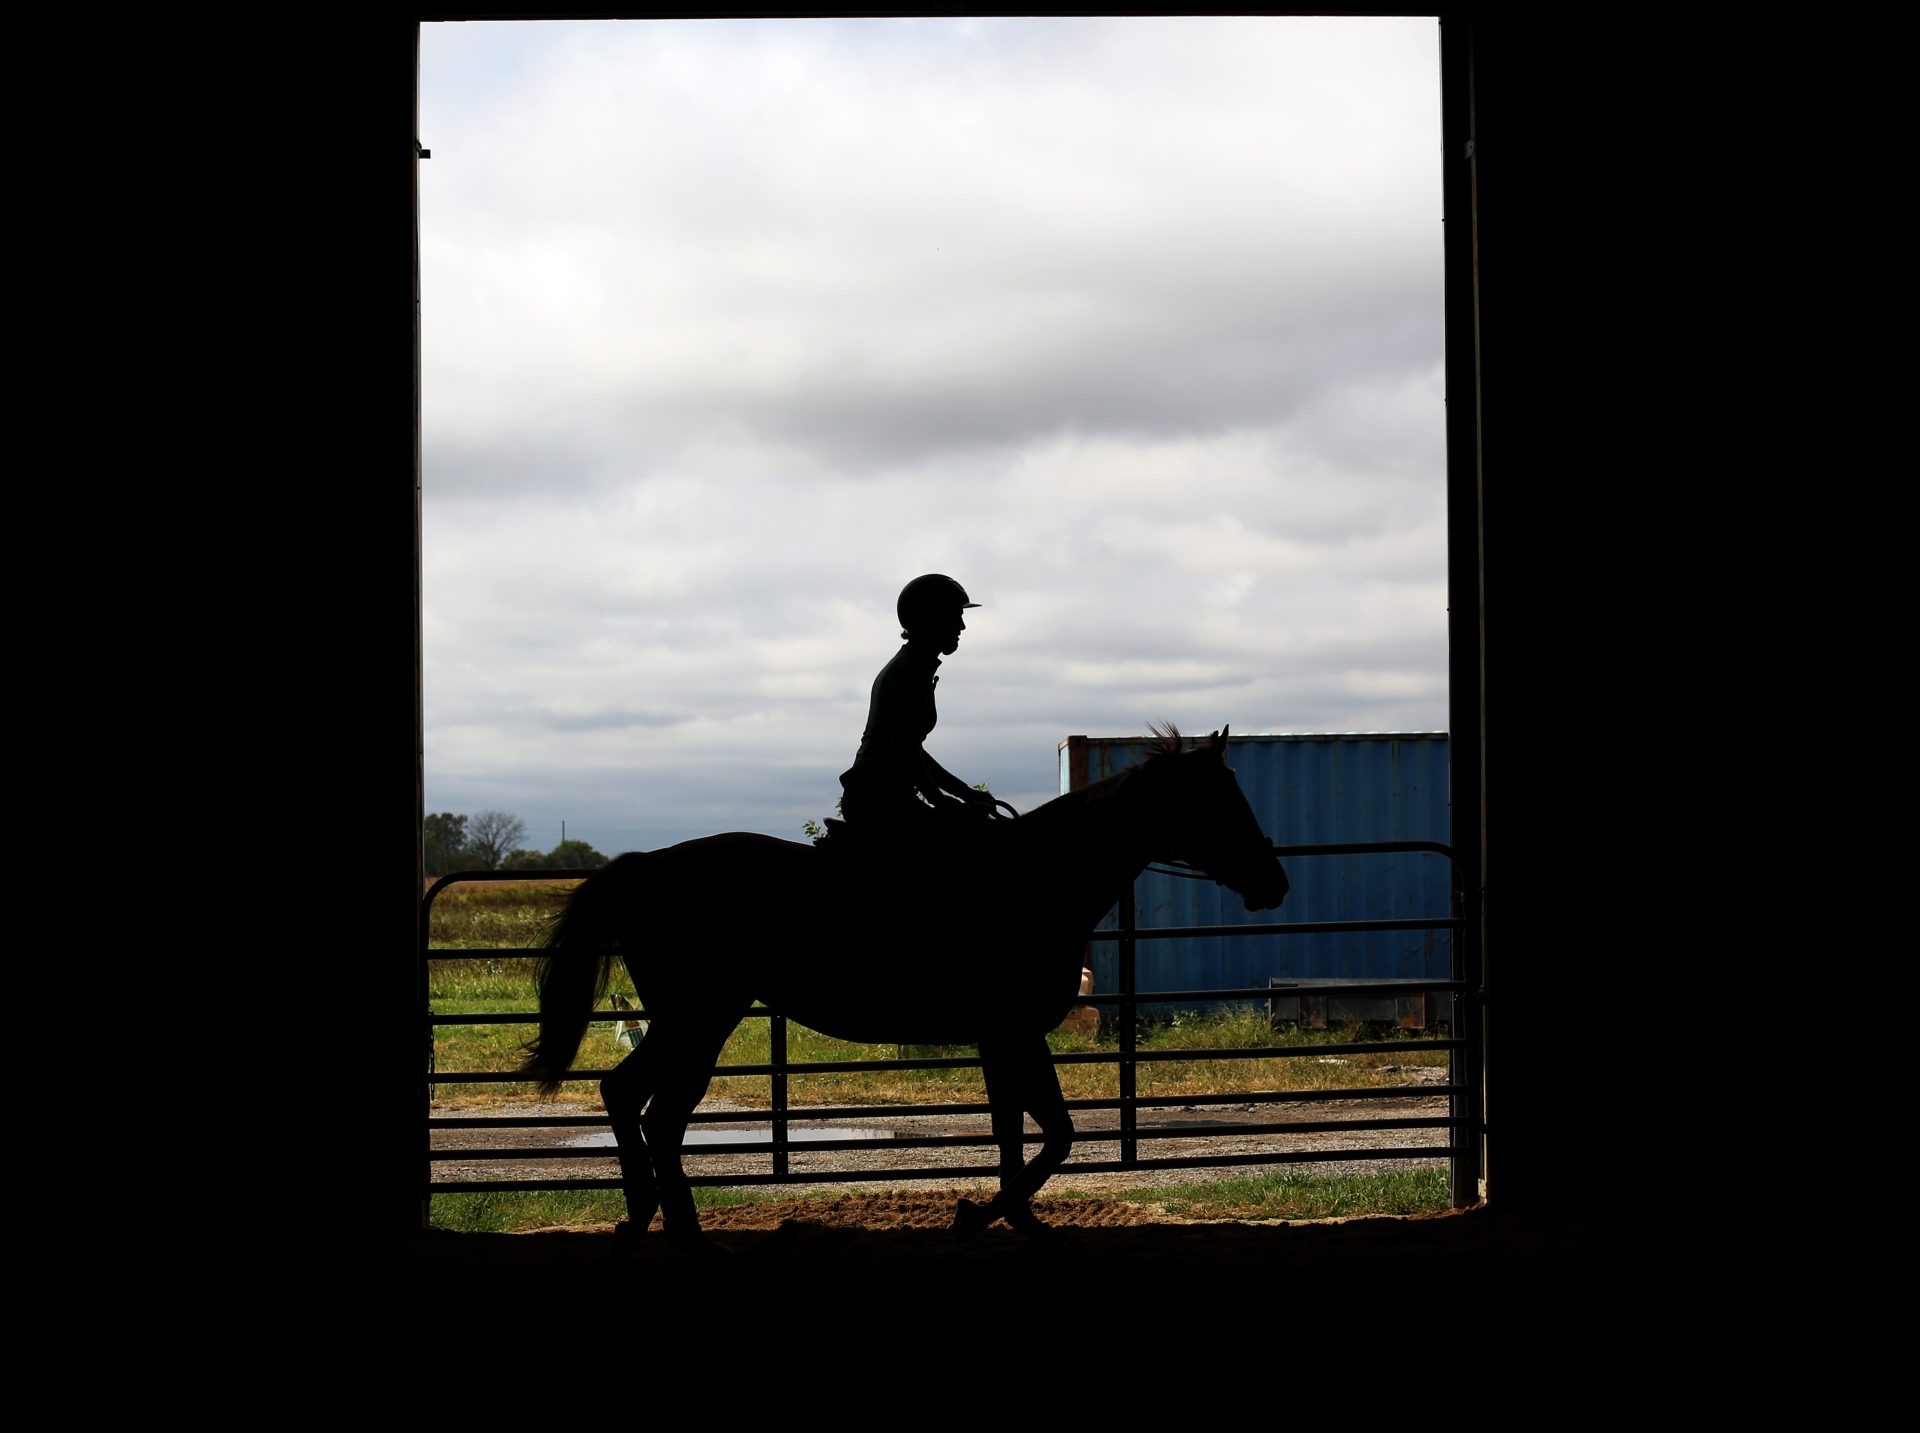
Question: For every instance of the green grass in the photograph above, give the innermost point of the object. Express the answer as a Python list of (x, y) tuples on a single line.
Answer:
[(513, 1212), (1287, 1194)]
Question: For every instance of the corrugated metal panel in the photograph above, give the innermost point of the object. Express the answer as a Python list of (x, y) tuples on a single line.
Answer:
[(1305, 790)]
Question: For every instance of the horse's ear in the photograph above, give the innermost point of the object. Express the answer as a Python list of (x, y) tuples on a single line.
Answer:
[(1218, 743)]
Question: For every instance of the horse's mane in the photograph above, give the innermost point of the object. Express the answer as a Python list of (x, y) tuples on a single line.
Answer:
[(1164, 741)]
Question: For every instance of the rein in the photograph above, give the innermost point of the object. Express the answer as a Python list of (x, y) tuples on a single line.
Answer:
[(1179, 869)]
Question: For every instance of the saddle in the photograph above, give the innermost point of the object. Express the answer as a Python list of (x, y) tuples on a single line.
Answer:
[(937, 842)]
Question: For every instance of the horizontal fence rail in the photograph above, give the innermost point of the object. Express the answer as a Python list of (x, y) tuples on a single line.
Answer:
[(1461, 1124)]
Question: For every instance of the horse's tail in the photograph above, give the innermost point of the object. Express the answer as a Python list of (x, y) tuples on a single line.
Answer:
[(573, 973)]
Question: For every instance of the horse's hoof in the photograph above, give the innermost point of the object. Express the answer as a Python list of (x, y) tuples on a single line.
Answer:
[(628, 1239), (1040, 1234), (699, 1248), (969, 1219)]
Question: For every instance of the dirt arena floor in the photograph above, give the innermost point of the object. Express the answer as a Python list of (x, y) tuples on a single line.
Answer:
[(904, 1240)]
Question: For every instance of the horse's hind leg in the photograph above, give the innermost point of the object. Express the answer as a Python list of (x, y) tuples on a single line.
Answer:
[(625, 1092), (1020, 1078), (684, 1069)]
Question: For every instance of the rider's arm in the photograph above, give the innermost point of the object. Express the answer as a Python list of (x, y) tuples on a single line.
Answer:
[(946, 781), (941, 779)]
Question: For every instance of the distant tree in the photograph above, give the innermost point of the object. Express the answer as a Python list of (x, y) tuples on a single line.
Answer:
[(575, 855), (524, 860), (492, 834), (447, 844)]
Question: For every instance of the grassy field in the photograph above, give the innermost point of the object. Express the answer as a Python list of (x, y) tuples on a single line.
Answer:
[(463, 1048)]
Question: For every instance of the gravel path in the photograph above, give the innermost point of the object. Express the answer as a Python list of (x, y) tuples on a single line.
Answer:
[(1215, 1132)]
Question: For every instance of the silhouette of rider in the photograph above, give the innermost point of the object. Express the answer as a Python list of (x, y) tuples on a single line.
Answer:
[(893, 787)]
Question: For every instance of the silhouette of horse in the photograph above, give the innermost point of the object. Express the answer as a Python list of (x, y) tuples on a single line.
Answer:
[(1000, 968)]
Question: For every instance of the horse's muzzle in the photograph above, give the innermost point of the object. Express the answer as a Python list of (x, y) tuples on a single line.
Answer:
[(1266, 890)]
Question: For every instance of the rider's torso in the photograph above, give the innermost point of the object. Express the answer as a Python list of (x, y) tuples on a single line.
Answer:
[(900, 715)]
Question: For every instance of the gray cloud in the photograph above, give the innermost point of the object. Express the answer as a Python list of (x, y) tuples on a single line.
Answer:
[(730, 327)]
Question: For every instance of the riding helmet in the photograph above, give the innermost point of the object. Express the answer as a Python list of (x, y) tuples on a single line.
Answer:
[(930, 598)]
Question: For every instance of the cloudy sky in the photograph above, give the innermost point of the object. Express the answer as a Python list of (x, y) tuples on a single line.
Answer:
[(731, 327)]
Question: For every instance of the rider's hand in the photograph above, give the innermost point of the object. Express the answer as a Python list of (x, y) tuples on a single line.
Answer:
[(979, 798)]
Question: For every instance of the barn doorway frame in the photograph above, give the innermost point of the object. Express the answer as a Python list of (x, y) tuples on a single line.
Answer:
[(1460, 49)]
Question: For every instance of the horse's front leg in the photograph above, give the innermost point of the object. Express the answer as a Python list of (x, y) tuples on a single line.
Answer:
[(1020, 1079)]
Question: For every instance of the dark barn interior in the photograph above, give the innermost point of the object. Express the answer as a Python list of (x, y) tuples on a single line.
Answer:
[(1585, 243)]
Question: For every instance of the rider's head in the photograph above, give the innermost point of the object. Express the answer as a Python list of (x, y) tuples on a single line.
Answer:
[(929, 608)]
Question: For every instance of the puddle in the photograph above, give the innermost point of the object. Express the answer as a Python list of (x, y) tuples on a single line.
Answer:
[(708, 1134)]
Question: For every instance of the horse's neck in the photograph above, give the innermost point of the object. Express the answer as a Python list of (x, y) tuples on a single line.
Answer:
[(1104, 829)]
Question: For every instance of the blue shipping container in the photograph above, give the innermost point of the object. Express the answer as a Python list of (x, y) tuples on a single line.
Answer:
[(1305, 790)]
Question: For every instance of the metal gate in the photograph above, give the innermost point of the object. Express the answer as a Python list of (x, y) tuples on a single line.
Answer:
[(1460, 1130)]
